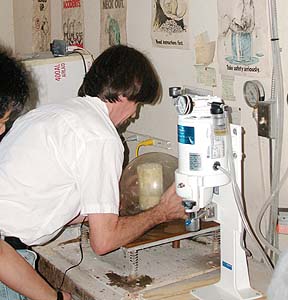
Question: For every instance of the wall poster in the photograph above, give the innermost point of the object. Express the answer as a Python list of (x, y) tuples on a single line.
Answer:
[(243, 39), (170, 24), (41, 26), (113, 23), (73, 22)]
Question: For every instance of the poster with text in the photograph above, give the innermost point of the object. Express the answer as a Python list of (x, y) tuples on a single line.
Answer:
[(243, 41), (41, 26), (169, 27), (73, 22), (113, 23)]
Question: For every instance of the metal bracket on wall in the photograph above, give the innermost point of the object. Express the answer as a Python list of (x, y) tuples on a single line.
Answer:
[(265, 119)]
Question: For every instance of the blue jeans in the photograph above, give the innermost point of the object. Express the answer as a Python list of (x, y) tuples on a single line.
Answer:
[(8, 294)]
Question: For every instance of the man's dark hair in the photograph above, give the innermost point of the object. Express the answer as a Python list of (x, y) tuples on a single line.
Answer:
[(122, 70), (14, 89)]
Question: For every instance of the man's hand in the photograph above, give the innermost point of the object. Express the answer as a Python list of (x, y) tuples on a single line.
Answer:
[(171, 205)]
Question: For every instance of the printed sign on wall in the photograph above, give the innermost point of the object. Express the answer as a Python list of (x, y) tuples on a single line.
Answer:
[(113, 23), (243, 38), (170, 24), (73, 22)]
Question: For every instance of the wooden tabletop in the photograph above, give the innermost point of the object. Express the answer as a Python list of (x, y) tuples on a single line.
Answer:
[(174, 230)]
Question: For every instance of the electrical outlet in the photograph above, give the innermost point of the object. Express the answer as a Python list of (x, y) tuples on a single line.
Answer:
[(282, 226), (265, 119), (161, 143)]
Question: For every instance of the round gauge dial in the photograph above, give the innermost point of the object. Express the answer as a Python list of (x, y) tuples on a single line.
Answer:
[(253, 93), (184, 104)]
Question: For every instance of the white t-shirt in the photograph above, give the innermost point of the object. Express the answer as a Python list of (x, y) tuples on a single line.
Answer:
[(57, 161)]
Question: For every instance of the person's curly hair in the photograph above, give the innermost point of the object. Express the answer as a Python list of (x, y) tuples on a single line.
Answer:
[(14, 88)]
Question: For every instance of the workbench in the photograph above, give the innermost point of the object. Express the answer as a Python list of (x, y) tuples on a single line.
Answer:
[(144, 269)]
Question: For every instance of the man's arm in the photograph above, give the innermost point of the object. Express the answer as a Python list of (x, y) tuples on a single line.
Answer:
[(109, 232), (19, 275)]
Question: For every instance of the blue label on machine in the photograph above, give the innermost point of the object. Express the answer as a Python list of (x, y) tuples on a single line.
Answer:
[(186, 135), (226, 265)]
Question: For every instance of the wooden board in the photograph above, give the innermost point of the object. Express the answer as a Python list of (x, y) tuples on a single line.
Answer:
[(174, 229)]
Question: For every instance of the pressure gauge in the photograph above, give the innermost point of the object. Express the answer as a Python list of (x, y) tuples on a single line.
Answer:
[(253, 93), (184, 104)]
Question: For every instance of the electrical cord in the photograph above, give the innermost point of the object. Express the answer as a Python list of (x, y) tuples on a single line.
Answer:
[(247, 226), (262, 212), (81, 253), (72, 48), (79, 51), (83, 59), (148, 142)]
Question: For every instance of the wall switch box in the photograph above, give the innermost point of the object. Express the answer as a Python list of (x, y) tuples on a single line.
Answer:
[(265, 119)]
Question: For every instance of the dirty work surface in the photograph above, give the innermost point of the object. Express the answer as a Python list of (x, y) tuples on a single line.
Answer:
[(109, 276)]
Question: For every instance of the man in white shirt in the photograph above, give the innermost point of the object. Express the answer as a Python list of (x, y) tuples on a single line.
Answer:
[(62, 163)]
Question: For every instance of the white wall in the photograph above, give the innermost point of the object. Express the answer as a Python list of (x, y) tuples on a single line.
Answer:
[(7, 23)]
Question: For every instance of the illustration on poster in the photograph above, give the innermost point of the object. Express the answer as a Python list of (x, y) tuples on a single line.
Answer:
[(112, 28), (42, 30), (73, 32), (169, 15), (42, 4), (241, 28), (110, 4)]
